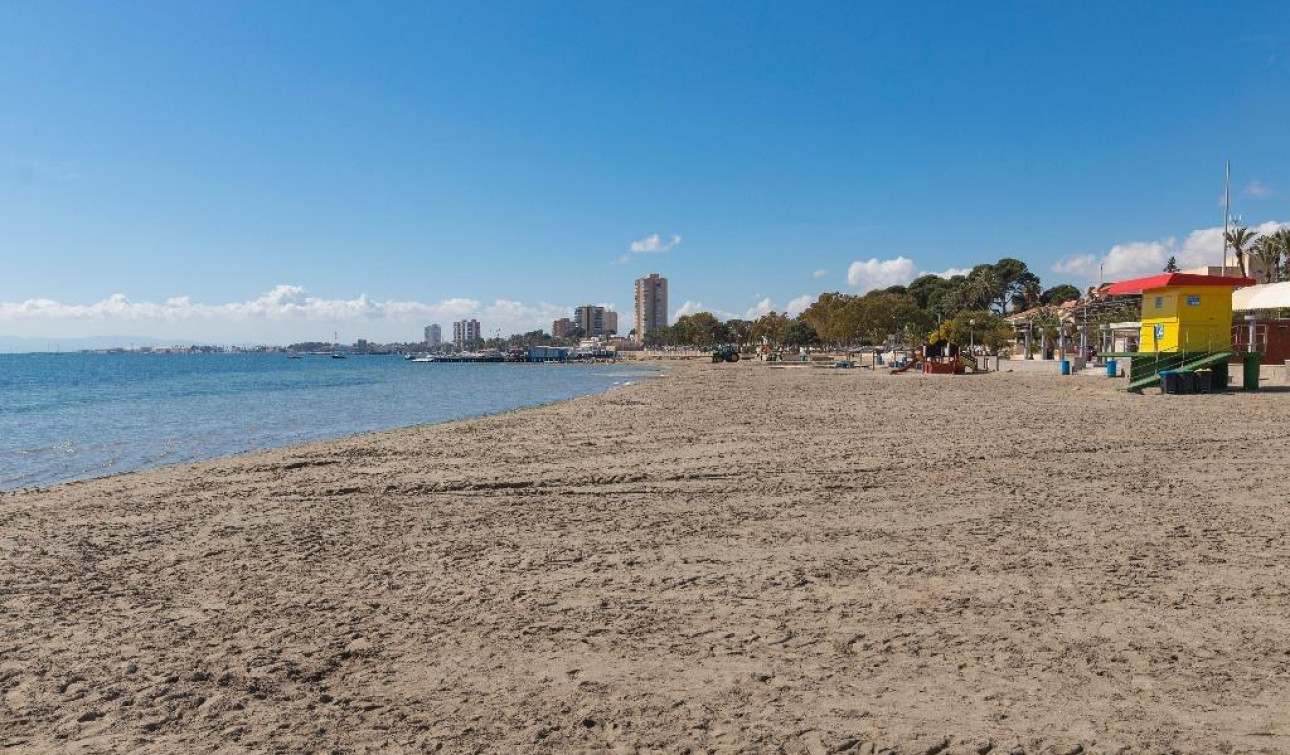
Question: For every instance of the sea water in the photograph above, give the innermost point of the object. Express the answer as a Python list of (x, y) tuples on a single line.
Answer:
[(68, 417)]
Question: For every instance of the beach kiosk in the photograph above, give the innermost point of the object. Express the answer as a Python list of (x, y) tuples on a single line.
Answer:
[(1186, 328)]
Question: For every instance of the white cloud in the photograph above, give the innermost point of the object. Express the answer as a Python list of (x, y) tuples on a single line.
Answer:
[(1202, 247), (1137, 258), (762, 307), (692, 307), (285, 312), (951, 272), (798, 306), (876, 273), (819, 273), (1258, 189), (1078, 265), (688, 308), (655, 243)]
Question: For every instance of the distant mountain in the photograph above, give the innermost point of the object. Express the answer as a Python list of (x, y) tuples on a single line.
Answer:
[(24, 345)]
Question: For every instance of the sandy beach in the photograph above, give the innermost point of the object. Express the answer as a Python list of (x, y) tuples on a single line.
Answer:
[(729, 558)]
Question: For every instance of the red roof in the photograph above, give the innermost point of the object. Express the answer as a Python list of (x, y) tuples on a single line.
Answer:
[(1174, 280)]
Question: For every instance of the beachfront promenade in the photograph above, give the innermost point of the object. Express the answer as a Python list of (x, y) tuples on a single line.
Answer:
[(730, 558)]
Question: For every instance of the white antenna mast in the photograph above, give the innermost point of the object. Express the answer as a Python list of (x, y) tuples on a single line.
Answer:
[(1227, 209)]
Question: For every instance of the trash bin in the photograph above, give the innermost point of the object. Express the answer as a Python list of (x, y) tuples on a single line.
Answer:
[(1111, 368), (1170, 382), (1187, 382), (1204, 381), (1066, 366), (1250, 370), (877, 359)]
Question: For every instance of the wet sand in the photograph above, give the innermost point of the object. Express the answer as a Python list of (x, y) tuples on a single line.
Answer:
[(730, 558)]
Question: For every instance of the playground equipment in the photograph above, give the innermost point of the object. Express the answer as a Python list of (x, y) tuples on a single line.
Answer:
[(725, 353), (1186, 327), (907, 365), (939, 356)]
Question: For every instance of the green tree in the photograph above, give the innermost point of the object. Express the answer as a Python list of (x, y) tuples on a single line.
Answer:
[(740, 331), (940, 297), (769, 326), (798, 333), (998, 285), (1060, 293), (983, 288), (1031, 295), (925, 287), (1283, 241), (1240, 239), (835, 318), (881, 314), (1266, 254), (659, 337), (982, 327), (700, 329), (1172, 265)]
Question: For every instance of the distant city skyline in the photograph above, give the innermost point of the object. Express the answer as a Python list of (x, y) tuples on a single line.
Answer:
[(246, 172)]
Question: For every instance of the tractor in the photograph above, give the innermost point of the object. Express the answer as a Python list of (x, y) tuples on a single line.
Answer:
[(725, 353)]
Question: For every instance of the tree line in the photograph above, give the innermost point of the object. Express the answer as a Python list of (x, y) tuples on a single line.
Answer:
[(966, 308), (1266, 258)]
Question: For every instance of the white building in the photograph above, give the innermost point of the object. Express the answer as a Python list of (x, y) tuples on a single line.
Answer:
[(465, 334)]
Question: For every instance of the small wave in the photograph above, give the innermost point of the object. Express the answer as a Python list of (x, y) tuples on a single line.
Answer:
[(66, 447)]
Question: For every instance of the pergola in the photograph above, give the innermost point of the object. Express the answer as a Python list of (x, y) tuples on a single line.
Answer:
[(1075, 314)]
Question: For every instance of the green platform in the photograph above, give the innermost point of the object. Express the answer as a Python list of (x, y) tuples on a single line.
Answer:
[(1145, 369)]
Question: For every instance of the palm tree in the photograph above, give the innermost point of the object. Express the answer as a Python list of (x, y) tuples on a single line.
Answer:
[(1267, 252), (1240, 239), (1282, 238), (984, 289), (1031, 294)]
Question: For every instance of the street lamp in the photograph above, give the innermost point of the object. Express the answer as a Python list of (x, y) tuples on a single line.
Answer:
[(972, 336)]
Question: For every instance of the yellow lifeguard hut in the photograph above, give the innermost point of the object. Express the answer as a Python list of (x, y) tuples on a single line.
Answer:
[(1186, 324)]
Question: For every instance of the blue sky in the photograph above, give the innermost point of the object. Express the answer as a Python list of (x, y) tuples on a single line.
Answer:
[(500, 159)]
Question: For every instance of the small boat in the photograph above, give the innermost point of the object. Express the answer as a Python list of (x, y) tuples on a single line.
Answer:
[(293, 355), (423, 359), (337, 355)]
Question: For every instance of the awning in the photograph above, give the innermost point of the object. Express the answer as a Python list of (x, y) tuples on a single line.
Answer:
[(1265, 296)]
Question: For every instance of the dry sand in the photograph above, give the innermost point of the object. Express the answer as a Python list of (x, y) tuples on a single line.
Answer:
[(731, 558)]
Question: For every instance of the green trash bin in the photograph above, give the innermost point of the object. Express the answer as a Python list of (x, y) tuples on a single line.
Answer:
[(1250, 370), (1204, 381)]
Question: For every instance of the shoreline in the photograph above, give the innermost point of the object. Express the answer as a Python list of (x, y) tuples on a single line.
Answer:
[(659, 370), (733, 559)]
